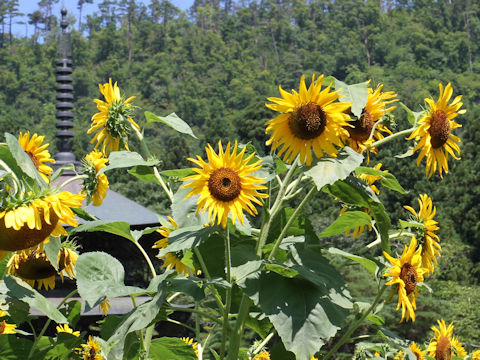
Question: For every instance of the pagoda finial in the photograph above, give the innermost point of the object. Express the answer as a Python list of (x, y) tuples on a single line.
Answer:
[(64, 97)]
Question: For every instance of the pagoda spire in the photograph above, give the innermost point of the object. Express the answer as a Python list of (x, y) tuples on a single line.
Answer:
[(64, 97)]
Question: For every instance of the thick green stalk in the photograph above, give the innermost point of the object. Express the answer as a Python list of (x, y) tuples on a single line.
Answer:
[(290, 221), (228, 301), (146, 257), (354, 325), (390, 138), (236, 335), (72, 179)]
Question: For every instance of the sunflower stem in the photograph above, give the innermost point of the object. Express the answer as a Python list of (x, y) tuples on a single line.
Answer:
[(390, 138), (290, 221), (75, 178), (228, 301), (205, 343), (147, 258), (197, 320), (237, 333), (146, 154), (262, 238), (263, 343), (354, 325)]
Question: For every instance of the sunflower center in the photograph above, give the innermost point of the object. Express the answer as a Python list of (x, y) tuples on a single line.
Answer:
[(34, 159), (224, 184), (444, 349), (34, 268), (92, 354), (307, 121), (409, 276), (362, 127), (439, 129), (3, 324)]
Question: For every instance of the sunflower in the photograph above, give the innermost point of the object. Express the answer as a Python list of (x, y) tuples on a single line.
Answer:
[(265, 355), (37, 152), (371, 179), (309, 119), (429, 240), (170, 260), (415, 349), (435, 136), (66, 329), (360, 135), (359, 229), (90, 350), (113, 122), (400, 356), (224, 184), (34, 266), (406, 272), (194, 345), (476, 355), (34, 218), (95, 185), (444, 345), (104, 307), (4, 327)]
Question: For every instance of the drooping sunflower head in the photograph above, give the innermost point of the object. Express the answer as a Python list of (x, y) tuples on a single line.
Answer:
[(35, 217), (66, 329), (371, 179), (170, 260), (444, 345), (34, 266), (114, 121), (425, 231), (225, 185), (434, 135), (360, 130), (190, 341), (91, 350), (95, 186), (406, 272), (310, 119), (4, 327), (417, 351), (38, 153)]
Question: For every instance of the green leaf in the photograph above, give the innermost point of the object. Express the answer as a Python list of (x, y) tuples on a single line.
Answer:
[(356, 93), (72, 311), (260, 324), (139, 318), (178, 173), (301, 226), (368, 264), (328, 170), (3, 266), (306, 310), (281, 269), (244, 261), (99, 277), (83, 214), (347, 221), (119, 228), (64, 347), (52, 248), (137, 234), (377, 320), (412, 116), (183, 209), (23, 160), (386, 179), (188, 286), (13, 347), (20, 290), (59, 172), (171, 120), (108, 325), (171, 348), (187, 238), (125, 159), (144, 173)]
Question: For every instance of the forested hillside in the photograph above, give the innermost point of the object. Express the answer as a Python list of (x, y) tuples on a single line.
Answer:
[(216, 64)]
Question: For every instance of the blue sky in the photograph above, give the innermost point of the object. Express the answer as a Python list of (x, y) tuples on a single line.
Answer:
[(29, 6)]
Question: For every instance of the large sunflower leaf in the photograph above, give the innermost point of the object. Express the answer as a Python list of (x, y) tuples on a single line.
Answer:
[(18, 289), (386, 179), (306, 310), (126, 159), (171, 348), (187, 238), (354, 192), (356, 93), (347, 221), (52, 248), (368, 264), (328, 170), (171, 120), (13, 347), (120, 228), (99, 277)]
